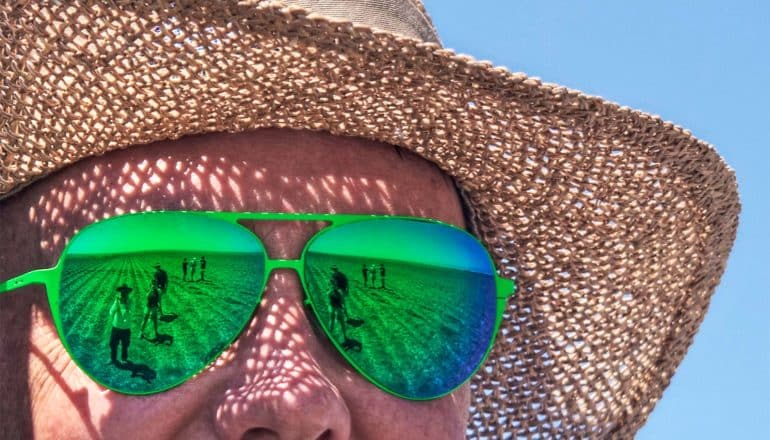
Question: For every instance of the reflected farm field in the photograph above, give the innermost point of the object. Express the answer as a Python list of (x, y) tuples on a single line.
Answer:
[(425, 330), (189, 323)]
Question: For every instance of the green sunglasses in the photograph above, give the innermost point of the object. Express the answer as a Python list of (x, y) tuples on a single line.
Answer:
[(412, 304)]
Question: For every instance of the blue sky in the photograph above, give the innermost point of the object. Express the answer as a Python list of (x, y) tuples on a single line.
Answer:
[(704, 65)]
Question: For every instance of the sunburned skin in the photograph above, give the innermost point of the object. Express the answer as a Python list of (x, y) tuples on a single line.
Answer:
[(281, 379)]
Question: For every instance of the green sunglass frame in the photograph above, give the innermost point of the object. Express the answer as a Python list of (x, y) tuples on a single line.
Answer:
[(51, 277)]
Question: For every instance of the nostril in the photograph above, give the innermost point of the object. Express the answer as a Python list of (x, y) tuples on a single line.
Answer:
[(265, 434), (259, 434)]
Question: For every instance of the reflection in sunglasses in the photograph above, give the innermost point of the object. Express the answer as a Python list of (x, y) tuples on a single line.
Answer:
[(165, 326)]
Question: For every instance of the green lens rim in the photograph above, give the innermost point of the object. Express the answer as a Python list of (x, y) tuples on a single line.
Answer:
[(54, 296), (329, 335)]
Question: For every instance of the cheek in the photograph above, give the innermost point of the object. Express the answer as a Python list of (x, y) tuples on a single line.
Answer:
[(376, 414), (65, 402)]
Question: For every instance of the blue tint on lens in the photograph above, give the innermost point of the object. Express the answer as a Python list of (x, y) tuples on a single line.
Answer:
[(411, 304)]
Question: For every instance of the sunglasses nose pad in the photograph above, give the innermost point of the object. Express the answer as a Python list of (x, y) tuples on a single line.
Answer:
[(282, 295), (278, 316), (282, 318)]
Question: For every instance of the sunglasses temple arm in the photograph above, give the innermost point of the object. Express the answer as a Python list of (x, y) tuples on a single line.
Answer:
[(505, 288), (40, 276)]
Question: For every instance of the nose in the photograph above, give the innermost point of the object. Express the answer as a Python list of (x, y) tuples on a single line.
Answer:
[(278, 389)]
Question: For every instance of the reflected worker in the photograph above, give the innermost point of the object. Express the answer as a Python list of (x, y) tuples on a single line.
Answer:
[(382, 275), (337, 296), (151, 312), (203, 269), (120, 317), (373, 271), (160, 278), (193, 264), (184, 269)]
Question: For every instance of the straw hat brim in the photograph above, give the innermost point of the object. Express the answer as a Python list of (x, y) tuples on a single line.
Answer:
[(615, 224)]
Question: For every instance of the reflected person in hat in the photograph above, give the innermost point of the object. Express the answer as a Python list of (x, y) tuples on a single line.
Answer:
[(120, 318), (350, 107)]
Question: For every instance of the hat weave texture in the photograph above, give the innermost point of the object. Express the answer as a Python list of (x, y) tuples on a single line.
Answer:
[(615, 224)]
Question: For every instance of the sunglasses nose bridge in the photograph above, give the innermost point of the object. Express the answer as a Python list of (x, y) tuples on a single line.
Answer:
[(271, 265)]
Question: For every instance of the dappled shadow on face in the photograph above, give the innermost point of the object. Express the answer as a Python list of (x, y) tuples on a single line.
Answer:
[(78, 398), (147, 179), (178, 176)]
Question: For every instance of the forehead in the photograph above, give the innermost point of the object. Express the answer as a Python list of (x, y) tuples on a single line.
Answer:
[(266, 170)]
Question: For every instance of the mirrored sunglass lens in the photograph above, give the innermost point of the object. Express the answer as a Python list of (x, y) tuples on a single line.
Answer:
[(411, 304), (148, 300)]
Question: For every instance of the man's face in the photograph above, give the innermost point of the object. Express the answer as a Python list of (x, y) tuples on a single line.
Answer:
[(280, 379)]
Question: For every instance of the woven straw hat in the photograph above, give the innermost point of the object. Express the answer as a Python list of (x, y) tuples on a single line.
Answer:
[(615, 224)]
